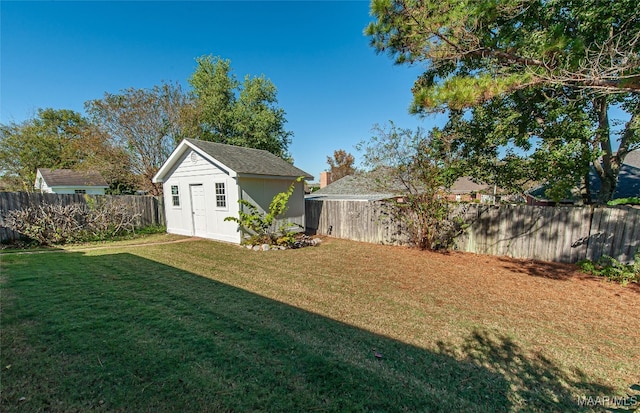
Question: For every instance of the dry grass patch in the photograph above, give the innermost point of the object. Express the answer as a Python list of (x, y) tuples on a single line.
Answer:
[(423, 298)]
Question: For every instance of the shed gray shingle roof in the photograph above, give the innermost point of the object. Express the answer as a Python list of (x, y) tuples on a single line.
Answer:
[(69, 177), (249, 160)]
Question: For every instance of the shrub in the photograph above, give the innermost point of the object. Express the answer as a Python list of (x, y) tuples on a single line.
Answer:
[(612, 269), (432, 222), (58, 224), (624, 201)]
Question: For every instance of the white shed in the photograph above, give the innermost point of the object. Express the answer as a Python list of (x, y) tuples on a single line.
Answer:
[(68, 181), (203, 181)]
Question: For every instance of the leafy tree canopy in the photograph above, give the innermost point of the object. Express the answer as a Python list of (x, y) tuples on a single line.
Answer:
[(237, 113), (58, 138), (52, 139), (528, 83), (341, 164), (475, 50), (145, 122)]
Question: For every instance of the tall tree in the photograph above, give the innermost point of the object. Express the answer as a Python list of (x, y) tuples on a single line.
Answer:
[(341, 164), (59, 138), (146, 122), (519, 51), (237, 113), (495, 145), (110, 159), (52, 139)]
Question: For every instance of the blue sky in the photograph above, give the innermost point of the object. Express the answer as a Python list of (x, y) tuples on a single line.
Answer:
[(331, 83)]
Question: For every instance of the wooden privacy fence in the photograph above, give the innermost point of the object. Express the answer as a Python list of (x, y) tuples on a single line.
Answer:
[(149, 208), (560, 234)]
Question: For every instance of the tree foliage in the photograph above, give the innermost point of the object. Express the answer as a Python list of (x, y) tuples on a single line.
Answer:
[(475, 50), (237, 113), (341, 164), (420, 171), (52, 139), (146, 122), (521, 72), (129, 135)]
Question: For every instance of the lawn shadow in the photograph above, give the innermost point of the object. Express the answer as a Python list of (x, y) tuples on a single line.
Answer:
[(544, 269), (554, 271), (121, 333)]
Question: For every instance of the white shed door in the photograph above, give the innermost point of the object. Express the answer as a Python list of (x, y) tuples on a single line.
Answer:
[(198, 210)]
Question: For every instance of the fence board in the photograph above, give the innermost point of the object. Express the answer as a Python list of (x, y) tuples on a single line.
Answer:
[(150, 208), (562, 234)]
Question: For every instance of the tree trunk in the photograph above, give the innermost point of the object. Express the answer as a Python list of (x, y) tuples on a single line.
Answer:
[(585, 189), (607, 167)]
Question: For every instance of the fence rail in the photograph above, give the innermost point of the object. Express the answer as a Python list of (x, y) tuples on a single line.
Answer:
[(560, 234), (149, 208)]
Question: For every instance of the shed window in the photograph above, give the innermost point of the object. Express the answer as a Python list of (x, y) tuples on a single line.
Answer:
[(175, 195), (80, 191), (221, 195)]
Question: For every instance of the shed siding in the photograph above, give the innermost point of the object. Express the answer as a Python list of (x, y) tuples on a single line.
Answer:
[(200, 171), (260, 192)]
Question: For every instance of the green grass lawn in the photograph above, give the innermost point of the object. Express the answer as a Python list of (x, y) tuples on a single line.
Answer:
[(205, 326)]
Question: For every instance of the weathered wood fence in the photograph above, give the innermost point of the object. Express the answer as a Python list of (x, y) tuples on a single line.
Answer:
[(560, 234), (149, 208)]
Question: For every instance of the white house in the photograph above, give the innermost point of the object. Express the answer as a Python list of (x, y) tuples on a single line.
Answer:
[(68, 181), (203, 181)]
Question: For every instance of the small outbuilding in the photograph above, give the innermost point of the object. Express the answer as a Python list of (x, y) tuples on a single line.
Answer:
[(68, 181), (203, 182)]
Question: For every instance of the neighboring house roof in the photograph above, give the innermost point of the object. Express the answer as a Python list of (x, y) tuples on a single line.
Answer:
[(369, 186), (351, 187), (628, 178), (628, 182), (69, 177), (464, 185), (236, 160)]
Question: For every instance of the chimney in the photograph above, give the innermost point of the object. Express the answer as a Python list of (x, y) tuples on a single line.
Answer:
[(325, 179)]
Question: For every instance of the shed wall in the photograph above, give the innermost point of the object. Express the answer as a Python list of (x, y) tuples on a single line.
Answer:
[(196, 170), (260, 192)]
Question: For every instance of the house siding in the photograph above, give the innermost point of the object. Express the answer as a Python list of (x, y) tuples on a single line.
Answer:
[(90, 190), (42, 187), (197, 170)]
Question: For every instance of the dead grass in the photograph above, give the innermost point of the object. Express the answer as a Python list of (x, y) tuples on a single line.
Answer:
[(423, 298)]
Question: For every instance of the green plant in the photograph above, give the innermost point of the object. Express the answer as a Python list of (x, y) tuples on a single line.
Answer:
[(260, 227), (613, 269), (634, 200)]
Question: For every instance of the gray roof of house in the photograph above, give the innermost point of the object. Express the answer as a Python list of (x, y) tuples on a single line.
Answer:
[(464, 185), (628, 178), (69, 177), (628, 181), (372, 186), (249, 160), (363, 186)]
